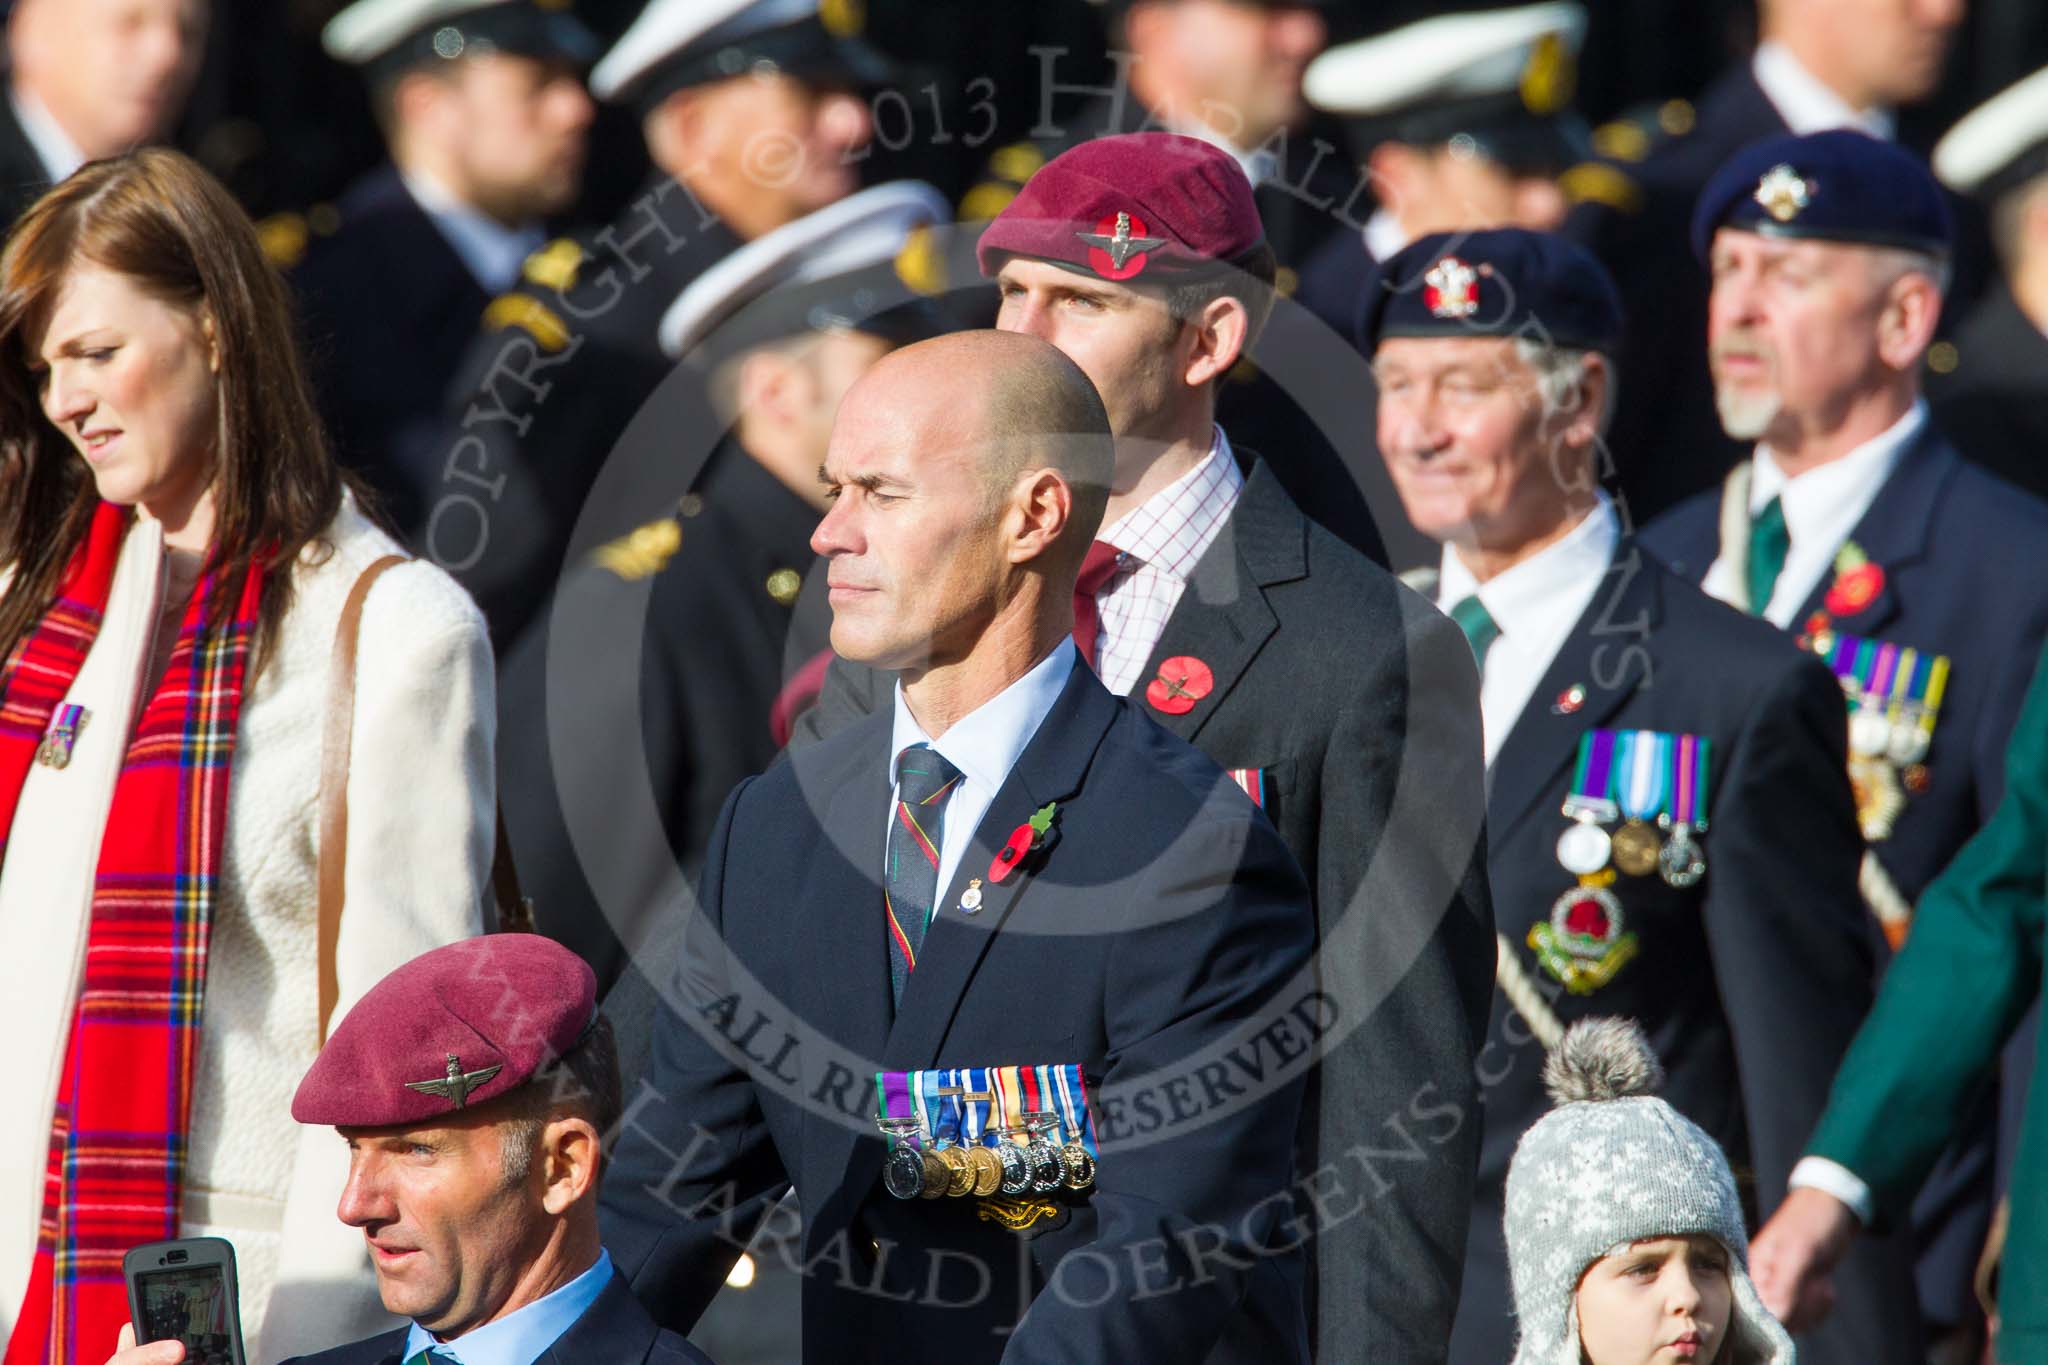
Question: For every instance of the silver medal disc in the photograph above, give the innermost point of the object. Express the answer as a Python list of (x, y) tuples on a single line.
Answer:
[(1584, 849), (1681, 862), (1869, 733), (903, 1176), (1016, 1168), (1908, 745)]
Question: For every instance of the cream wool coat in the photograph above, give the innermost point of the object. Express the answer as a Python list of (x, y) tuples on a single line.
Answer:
[(421, 798)]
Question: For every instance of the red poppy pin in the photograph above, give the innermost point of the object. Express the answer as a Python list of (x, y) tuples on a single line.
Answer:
[(1183, 680), (1031, 834), (1855, 589)]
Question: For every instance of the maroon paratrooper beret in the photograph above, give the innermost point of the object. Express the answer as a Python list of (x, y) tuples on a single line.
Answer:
[(1129, 207), (455, 1027)]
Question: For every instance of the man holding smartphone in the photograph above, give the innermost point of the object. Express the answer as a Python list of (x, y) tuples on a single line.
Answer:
[(472, 1086)]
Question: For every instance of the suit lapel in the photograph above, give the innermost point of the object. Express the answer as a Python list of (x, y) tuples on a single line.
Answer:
[(615, 1328), (1223, 618), (1050, 769), (842, 897), (1609, 654), (1893, 532)]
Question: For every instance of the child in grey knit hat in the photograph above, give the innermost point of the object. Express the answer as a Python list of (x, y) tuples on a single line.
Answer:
[(1625, 1238)]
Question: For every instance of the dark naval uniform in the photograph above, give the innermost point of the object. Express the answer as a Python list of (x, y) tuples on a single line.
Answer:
[(1749, 983), (717, 584), (1275, 609), (23, 177), (388, 308), (1989, 393), (615, 1330), (563, 363), (1634, 214)]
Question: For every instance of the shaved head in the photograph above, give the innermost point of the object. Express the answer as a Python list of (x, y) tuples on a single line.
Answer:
[(1017, 404), (968, 475)]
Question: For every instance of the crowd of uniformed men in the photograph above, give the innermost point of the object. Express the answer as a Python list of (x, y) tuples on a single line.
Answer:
[(1713, 434)]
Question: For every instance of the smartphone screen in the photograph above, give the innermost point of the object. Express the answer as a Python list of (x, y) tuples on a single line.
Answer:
[(189, 1306)]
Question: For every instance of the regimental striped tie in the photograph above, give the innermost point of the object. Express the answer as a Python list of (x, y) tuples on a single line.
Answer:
[(910, 879), (430, 1356)]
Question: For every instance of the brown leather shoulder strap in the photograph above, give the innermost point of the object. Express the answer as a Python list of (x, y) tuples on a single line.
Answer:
[(334, 766)]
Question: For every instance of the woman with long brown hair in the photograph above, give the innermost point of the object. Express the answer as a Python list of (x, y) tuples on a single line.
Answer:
[(176, 546)]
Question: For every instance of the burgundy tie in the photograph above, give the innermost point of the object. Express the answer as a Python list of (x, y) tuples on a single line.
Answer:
[(1096, 570)]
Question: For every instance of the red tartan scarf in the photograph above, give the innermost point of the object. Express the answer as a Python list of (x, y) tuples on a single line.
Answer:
[(118, 1136)]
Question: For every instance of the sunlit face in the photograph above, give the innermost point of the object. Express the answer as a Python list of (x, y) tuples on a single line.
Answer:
[(833, 364), (1122, 338), (113, 73), (447, 1233), (788, 144), (913, 570), (131, 381), (1450, 190), (1240, 63), (1792, 331), (1657, 1302), (519, 126), (1890, 51), (1462, 432)]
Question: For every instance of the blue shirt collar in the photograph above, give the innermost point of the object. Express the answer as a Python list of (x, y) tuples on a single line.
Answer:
[(522, 1337), (985, 743)]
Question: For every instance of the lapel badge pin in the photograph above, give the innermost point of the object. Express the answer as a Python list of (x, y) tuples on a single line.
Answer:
[(970, 899), (1569, 700), (1183, 680), (55, 750)]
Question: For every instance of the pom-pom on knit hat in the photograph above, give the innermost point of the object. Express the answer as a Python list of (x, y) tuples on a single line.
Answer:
[(1612, 1164)]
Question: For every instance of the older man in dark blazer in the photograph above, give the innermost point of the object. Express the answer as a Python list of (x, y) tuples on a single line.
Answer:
[(1670, 833), (1338, 699), (1858, 529), (1006, 868)]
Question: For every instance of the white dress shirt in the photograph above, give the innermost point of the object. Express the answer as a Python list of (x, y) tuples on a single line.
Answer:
[(1832, 1177), (983, 745), (1161, 541), (1536, 603), (493, 252), (53, 146), (1805, 103), (1822, 507), (1384, 235)]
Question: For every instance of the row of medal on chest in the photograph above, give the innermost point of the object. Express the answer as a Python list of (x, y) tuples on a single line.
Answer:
[(1655, 784), (986, 1131), (1023, 1158)]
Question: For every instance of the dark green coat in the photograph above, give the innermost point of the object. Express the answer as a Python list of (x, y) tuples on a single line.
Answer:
[(1967, 976)]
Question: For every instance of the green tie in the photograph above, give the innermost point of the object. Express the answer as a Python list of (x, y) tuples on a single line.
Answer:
[(428, 1357), (1479, 626), (1768, 542)]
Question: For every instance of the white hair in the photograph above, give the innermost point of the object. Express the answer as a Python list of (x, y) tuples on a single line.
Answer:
[(1561, 377)]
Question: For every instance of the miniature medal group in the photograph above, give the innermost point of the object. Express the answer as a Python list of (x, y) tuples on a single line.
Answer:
[(987, 1132), (1638, 804)]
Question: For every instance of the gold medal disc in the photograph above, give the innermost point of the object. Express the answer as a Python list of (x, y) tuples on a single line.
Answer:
[(1635, 848)]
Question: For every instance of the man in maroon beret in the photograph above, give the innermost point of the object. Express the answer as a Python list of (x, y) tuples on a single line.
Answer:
[(473, 1086), (1242, 625)]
